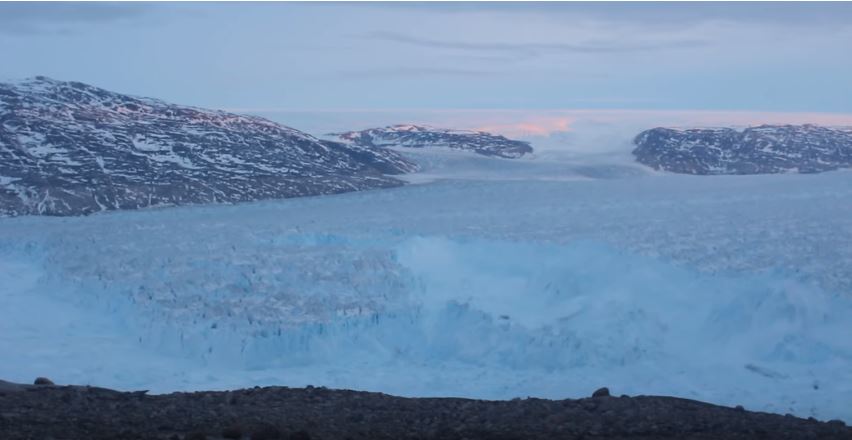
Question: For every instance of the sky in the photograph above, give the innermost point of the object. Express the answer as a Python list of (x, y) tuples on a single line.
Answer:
[(523, 68)]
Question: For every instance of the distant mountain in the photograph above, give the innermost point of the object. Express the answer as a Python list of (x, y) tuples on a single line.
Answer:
[(757, 150), (415, 136), (67, 148)]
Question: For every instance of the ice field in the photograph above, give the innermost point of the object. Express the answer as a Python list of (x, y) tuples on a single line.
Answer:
[(486, 278)]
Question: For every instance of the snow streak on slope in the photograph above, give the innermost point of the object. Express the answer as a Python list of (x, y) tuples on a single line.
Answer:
[(734, 292)]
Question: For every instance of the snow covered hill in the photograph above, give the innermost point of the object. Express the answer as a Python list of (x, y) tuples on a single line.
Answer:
[(416, 136), (68, 148), (756, 150)]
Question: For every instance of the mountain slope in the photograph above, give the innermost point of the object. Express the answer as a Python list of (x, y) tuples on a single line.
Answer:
[(67, 148), (756, 150), (415, 136)]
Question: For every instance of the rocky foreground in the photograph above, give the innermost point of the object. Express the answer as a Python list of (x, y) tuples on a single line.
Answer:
[(78, 412)]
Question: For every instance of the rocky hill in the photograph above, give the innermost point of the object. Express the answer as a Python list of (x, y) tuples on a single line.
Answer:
[(416, 136), (756, 150), (68, 148)]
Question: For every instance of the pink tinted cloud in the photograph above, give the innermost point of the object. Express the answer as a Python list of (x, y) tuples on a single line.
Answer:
[(520, 123), (541, 126), (545, 123)]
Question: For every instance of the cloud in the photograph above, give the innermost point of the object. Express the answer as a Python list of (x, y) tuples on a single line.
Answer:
[(553, 122), (576, 131), (534, 49), (541, 126), (57, 18), (391, 72), (681, 14)]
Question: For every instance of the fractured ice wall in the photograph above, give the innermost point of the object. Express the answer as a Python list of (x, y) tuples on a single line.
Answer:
[(471, 288)]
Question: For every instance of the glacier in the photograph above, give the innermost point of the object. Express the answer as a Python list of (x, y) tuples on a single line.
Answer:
[(488, 278)]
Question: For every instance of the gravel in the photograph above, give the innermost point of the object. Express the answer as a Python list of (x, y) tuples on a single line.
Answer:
[(83, 412)]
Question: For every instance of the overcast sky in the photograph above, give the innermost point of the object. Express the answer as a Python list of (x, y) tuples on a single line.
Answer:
[(379, 57)]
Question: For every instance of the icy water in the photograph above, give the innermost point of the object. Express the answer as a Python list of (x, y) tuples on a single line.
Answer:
[(487, 278)]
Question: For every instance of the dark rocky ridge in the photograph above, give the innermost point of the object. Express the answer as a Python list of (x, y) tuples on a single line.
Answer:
[(756, 150), (67, 148), (65, 412), (416, 136)]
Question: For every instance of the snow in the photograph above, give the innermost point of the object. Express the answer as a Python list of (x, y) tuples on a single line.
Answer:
[(35, 145), (422, 128), (144, 144), (437, 163), (497, 279), (163, 152)]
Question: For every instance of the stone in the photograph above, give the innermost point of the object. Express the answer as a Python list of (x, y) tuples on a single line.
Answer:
[(232, 432), (601, 392)]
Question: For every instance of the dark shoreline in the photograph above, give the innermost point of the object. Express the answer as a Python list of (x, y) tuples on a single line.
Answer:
[(81, 412)]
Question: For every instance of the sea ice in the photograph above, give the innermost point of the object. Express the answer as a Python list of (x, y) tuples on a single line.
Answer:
[(729, 289)]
